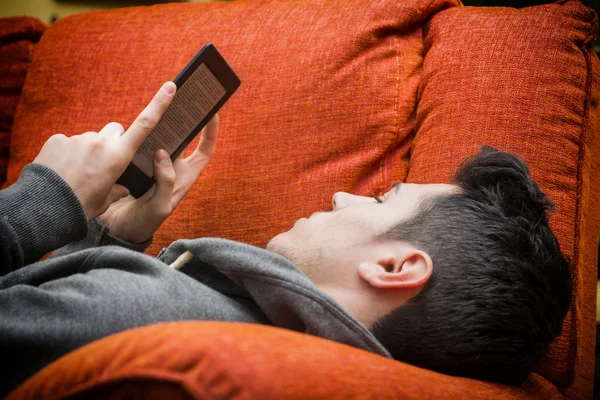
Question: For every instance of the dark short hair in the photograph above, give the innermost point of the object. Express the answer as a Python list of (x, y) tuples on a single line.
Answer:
[(500, 286)]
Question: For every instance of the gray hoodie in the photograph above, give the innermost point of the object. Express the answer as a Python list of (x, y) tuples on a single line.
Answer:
[(91, 288)]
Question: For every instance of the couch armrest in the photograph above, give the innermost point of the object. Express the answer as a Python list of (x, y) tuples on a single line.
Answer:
[(218, 360), (18, 36)]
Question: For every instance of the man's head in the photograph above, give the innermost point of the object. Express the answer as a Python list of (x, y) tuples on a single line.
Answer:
[(463, 278), (342, 253)]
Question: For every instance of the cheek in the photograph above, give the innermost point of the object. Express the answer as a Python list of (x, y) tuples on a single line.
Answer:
[(346, 229), (377, 221), (319, 230)]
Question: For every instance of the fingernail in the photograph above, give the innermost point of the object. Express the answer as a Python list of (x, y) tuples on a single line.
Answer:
[(169, 88), (162, 157)]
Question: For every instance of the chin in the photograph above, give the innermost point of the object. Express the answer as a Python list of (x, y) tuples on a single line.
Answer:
[(282, 241), (281, 244), (274, 243)]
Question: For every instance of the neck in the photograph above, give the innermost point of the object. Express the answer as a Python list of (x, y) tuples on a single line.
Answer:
[(363, 304)]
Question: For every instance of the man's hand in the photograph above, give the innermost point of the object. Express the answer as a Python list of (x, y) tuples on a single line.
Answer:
[(92, 162), (136, 220)]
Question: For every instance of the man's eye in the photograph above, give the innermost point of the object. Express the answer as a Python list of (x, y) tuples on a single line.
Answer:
[(378, 199)]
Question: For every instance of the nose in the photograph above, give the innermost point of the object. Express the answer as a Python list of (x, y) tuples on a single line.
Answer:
[(343, 199)]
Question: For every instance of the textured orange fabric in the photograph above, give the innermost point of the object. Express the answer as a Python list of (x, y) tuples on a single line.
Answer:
[(328, 92), (502, 77), (216, 360), (327, 103), (18, 35)]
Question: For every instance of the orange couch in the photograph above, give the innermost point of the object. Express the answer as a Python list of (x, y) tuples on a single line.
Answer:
[(339, 95)]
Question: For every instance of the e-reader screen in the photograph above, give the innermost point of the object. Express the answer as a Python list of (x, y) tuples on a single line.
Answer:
[(191, 104), (203, 86)]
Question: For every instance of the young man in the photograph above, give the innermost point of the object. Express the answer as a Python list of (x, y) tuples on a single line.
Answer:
[(463, 278)]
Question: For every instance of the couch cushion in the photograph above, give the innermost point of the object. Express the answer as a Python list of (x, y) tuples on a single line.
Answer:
[(217, 360), (18, 36), (525, 81), (326, 103)]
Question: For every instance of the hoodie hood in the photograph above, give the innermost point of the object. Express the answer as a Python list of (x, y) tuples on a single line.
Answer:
[(284, 293)]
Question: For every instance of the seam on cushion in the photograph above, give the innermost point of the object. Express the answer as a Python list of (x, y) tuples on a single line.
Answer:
[(390, 150), (413, 131), (573, 348), (396, 111), (396, 124), (415, 111), (419, 12), (454, 3)]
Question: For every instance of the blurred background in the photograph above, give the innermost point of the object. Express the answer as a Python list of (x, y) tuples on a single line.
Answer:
[(50, 10)]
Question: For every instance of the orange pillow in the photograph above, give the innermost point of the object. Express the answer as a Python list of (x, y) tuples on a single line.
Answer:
[(18, 35), (326, 103), (222, 360), (524, 81)]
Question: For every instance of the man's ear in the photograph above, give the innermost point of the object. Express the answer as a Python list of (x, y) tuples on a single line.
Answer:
[(408, 269)]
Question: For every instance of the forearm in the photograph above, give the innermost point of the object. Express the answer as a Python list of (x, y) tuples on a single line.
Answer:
[(39, 213)]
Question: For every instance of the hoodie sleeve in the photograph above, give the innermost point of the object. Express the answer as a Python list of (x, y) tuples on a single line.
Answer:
[(38, 213), (99, 235)]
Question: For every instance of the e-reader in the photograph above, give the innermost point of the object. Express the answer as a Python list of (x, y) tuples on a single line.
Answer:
[(203, 86)]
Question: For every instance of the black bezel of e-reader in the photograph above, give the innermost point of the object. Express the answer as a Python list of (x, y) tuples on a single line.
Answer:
[(134, 178)]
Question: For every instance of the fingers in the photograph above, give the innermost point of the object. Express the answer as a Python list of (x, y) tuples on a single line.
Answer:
[(164, 173), (208, 137), (189, 169), (117, 193), (147, 120), (112, 129), (206, 146)]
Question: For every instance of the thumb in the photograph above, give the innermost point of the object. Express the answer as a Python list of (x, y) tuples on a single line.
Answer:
[(164, 173)]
